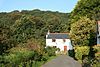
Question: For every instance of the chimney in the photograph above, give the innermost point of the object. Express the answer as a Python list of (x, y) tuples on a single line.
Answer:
[(98, 25), (47, 33)]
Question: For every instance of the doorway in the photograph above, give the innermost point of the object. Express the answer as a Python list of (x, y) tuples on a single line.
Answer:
[(65, 48)]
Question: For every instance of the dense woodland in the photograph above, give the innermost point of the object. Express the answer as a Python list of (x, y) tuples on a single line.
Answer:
[(26, 31)]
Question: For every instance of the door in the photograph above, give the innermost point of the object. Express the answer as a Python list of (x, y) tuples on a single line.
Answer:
[(65, 48)]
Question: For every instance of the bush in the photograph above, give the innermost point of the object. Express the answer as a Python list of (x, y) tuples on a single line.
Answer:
[(97, 55), (45, 57), (81, 52), (97, 51), (96, 48), (71, 53), (51, 51), (18, 55), (96, 63), (93, 60)]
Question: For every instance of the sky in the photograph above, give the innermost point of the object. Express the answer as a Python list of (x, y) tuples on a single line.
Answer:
[(65, 6)]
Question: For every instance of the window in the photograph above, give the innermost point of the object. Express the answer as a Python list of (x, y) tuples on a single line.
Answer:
[(53, 40), (64, 40), (54, 46)]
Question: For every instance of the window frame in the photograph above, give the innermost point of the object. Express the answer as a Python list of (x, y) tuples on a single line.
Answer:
[(53, 40), (64, 40)]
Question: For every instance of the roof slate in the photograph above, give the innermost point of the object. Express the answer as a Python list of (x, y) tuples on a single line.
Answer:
[(58, 36)]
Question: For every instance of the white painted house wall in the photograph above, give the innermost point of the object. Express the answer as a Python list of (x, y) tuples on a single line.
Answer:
[(59, 43)]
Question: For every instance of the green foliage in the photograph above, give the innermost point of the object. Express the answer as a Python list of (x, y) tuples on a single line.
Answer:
[(31, 24), (96, 48), (26, 53), (22, 36), (18, 55), (97, 55), (71, 53), (51, 50), (96, 63), (26, 27), (88, 8), (83, 32), (82, 51), (97, 51), (5, 41)]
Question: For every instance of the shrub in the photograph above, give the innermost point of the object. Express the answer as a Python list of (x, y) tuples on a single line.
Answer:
[(96, 48), (45, 57), (97, 55), (18, 55), (96, 64), (51, 51), (71, 53), (81, 51)]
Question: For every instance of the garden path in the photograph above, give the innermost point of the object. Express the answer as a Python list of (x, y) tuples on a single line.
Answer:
[(62, 61)]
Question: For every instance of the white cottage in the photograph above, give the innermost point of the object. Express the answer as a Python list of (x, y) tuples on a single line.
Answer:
[(59, 40)]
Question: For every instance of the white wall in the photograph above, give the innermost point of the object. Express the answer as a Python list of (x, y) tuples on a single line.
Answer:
[(59, 43)]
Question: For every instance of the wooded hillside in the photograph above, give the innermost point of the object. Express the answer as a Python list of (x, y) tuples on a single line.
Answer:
[(20, 26), (22, 35)]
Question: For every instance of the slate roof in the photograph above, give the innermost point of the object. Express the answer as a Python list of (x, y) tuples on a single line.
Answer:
[(58, 36)]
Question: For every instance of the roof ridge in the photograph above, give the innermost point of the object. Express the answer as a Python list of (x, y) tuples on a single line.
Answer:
[(59, 33), (58, 36)]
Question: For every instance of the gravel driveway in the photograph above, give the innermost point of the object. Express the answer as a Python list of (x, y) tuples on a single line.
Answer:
[(62, 61)]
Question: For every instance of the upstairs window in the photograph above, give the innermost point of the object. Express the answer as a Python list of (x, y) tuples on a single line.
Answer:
[(64, 40), (53, 40)]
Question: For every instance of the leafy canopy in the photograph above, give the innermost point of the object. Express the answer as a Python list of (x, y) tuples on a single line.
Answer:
[(89, 8), (82, 32)]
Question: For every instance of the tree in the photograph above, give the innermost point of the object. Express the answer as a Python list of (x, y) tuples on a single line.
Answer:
[(83, 32), (5, 40), (27, 27), (89, 8), (22, 35)]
